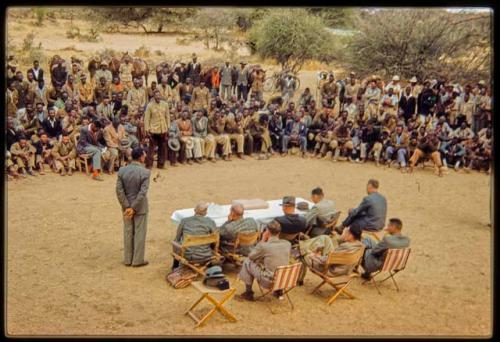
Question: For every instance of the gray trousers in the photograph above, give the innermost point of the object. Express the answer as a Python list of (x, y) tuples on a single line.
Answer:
[(225, 91), (134, 234), (251, 270), (96, 156)]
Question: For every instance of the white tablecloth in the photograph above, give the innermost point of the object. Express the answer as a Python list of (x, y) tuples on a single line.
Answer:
[(219, 213)]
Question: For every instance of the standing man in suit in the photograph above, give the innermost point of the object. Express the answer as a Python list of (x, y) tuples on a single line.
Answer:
[(374, 257), (226, 81), (263, 261), (36, 71), (370, 214), (320, 214), (131, 189), (193, 70)]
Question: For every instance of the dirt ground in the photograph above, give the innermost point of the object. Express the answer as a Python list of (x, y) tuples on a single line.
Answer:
[(64, 250), (64, 240)]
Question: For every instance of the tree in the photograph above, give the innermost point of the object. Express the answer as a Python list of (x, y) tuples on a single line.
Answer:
[(291, 36), (423, 43), (214, 22), (343, 17)]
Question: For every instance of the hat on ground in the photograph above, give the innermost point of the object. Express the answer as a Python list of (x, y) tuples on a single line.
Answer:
[(413, 79), (482, 82), (395, 78), (214, 272), (303, 206), (174, 144), (288, 200)]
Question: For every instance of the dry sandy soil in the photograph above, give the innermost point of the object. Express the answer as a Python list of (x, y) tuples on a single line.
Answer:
[(65, 249), (64, 236)]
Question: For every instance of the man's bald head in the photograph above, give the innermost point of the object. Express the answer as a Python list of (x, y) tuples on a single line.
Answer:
[(237, 209), (201, 208)]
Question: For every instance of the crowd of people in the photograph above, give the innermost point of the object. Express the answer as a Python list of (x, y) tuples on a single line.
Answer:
[(307, 237), (187, 116)]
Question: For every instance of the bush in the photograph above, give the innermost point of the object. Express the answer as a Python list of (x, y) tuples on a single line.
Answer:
[(142, 52), (28, 41), (73, 32)]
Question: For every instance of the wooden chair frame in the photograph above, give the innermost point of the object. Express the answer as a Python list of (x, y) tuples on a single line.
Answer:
[(331, 224), (218, 304), (81, 158), (339, 283), (242, 239), (394, 262), (196, 240), (290, 283)]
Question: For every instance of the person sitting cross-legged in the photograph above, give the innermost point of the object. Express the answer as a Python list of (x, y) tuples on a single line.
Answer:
[(315, 251), (235, 224), (198, 224), (263, 261), (373, 259)]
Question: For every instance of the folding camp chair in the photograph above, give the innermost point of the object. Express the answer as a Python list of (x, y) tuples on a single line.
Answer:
[(285, 279), (395, 261), (341, 282), (81, 158), (242, 239), (207, 293), (376, 236), (196, 240)]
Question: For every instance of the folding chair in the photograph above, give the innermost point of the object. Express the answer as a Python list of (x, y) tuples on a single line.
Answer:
[(242, 239), (377, 236), (395, 261), (81, 158), (196, 240), (330, 224), (341, 282), (207, 293), (285, 279)]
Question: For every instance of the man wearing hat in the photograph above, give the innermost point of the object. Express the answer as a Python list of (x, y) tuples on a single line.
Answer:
[(136, 97), (103, 72), (201, 96), (242, 82), (193, 70), (198, 224), (85, 91), (372, 97), (263, 261), (156, 125), (226, 81), (395, 85), (291, 222), (126, 74), (166, 91), (132, 185), (414, 87)]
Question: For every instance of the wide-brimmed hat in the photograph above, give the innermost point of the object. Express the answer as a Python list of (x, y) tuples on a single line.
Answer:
[(413, 79), (395, 78), (288, 200), (174, 144), (214, 272), (189, 143), (243, 62), (125, 143), (482, 82), (193, 55)]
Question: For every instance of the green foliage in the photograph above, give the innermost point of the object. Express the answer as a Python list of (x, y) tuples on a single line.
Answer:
[(291, 36), (246, 17), (28, 41), (343, 17), (213, 23), (421, 42), (73, 32), (39, 13)]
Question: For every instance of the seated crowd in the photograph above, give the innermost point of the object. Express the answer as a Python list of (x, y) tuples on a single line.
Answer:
[(306, 237), (186, 118)]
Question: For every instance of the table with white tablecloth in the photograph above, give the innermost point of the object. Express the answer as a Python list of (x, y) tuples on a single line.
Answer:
[(219, 213)]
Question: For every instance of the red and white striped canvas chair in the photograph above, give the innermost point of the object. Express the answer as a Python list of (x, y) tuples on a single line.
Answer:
[(395, 261), (285, 279)]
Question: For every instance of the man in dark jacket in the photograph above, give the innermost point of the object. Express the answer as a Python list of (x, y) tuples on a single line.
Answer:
[(90, 142), (370, 214), (37, 71), (291, 222), (194, 70), (52, 125)]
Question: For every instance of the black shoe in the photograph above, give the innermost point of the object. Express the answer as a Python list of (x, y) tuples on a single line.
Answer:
[(300, 283), (144, 263), (245, 296), (278, 293), (366, 276)]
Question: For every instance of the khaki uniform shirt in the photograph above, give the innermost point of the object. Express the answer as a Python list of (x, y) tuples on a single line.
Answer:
[(62, 150), (16, 148), (166, 92), (157, 117), (136, 98), (126, 72), (201, 98), (86, 92)]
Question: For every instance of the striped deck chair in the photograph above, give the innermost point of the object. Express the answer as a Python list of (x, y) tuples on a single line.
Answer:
[(339, 282), (285, 279), (395, 261)]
